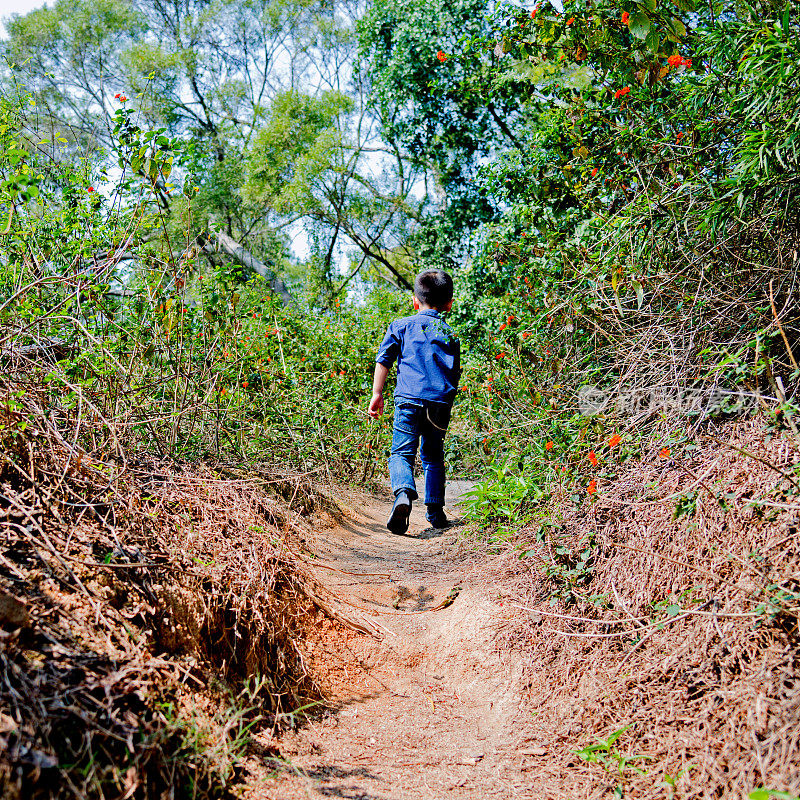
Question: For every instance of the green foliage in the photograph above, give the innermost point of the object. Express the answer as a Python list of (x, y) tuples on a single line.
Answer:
[(605, 753), (501, 497), (186, 360), (768, 794)]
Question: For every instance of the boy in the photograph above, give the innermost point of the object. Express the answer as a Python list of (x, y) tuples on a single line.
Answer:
[(428, 368)]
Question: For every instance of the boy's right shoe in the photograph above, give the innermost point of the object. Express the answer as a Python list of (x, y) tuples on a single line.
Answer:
[(437, 517), (401, 511)]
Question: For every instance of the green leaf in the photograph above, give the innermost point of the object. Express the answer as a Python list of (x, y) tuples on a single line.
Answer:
[(648, 4), (686, 5), (639, 293), (639, 24), (653, 40), (672, 610), (675, 29)]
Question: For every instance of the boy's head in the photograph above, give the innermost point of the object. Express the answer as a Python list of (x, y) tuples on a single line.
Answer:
[(433, 288)]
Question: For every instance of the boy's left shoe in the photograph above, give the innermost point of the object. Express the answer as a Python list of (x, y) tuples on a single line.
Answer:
[(437, 517), (401, 511)]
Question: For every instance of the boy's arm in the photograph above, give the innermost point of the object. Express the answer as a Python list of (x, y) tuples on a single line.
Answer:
[(387, 355), (378, 381)]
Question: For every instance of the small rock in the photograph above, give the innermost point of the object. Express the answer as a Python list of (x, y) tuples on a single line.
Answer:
[(470, 761), (13, 612), (534, 751), (7, 724)]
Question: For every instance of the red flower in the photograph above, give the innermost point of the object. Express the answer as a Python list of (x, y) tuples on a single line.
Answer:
[(117, 96), (687, 62), (679, 136), (123, 99), (533, 13), (90, 189), (593, 458), (594, 172), (614, 440), (502, 327), (548, 446), (675, 61), (625, 17), (442, 56), (621, 92), (592, 487), (500, 355), (664, 452), (570, 20), (525, 334), (342, 372)]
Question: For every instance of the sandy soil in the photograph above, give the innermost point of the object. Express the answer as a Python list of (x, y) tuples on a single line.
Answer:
[(432, 709)]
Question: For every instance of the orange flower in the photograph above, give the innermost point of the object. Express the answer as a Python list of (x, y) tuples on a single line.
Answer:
[(570, 20), (525, 334), (592, 487), (664, 452), (500, 355), (621, 92), (548, 446), (675, 60), (593, 458), (245, 384), (614, 440), (442, 56), (625, 17), (502, 327)]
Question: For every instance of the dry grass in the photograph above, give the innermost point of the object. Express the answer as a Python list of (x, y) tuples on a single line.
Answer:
[(132, 594), (712, 695)]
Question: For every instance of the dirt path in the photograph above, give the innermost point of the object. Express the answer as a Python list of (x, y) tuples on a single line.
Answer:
[(430, 711)]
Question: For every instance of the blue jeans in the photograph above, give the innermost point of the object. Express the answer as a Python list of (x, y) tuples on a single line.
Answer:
[(416, 420)]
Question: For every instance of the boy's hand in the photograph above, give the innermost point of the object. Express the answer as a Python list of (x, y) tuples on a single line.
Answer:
[(375, 406)]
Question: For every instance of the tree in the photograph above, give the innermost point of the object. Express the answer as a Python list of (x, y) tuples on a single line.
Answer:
[(223, 75)]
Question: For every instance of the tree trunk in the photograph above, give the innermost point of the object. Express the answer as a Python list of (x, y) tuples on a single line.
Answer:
[(219, 240)]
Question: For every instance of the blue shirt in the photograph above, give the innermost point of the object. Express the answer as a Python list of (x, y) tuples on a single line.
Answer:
[(428, 356)]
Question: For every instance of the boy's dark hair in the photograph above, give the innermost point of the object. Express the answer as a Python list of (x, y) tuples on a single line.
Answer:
[(434, 288)]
